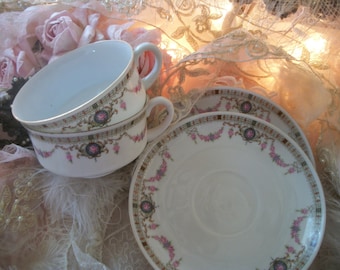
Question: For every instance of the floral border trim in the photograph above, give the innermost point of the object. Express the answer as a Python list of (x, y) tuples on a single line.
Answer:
[(92, 149), (250, 103), (249, 134), (103, 114), (293, 255), (107, 102), (66, 139), (144, 206)]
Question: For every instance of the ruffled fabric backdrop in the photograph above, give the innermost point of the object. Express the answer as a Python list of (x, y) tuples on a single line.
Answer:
[(53, 222)]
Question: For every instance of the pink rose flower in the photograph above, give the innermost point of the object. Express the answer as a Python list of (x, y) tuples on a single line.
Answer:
[(65, 31), (24, 68), (59, 34), (88, 35), (7, 70), (16, 62), (32, 47), (134, 37), (117, 31), (89, 21), (26, 63), (145, 63)]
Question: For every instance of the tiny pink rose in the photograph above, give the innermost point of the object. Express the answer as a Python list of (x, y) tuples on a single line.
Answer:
[(230, 132), (304, 211), (122, 105), (291, 170), (153, 226), (290, 249), (116, 148), (152, 188), (69, 157), (167, 155), (175, 264)]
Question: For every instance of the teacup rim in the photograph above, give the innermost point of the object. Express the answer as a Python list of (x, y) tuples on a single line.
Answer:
[(45, 121)]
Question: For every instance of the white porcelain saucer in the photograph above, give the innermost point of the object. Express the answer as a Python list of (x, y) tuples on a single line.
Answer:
[(225, 98), (227, 191)]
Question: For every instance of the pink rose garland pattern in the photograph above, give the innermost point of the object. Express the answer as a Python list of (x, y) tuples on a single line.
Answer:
[(148, 207), (295, 252)]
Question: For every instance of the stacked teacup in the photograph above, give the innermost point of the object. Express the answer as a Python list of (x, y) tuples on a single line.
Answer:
[(86, 112)]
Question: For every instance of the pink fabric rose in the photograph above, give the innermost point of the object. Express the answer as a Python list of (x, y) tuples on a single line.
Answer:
[(33, 49), (59, 34), (139, 35), (91, 33), (7, 70), (134, 36), (145, 63), (15, 62), (116, 31), (67, 30), (89, 21), (24, 67)]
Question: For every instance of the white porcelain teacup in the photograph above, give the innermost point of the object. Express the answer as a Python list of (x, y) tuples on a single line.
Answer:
[(91, 87), (99, 152)]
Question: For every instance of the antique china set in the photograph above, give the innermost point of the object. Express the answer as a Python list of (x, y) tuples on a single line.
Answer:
[(231, 186), (86, 111)]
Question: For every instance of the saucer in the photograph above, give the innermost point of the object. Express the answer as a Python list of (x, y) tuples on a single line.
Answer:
[(226, 190), (224, 98)]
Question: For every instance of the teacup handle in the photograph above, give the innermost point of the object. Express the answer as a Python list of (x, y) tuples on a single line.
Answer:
[(149, 79), (154, 132)]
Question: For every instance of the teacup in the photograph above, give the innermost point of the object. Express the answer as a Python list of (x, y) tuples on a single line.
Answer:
[(100, 152), (91, 87)]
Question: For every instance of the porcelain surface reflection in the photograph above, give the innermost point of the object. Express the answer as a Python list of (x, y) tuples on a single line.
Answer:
[(226, 190), (89, 88)]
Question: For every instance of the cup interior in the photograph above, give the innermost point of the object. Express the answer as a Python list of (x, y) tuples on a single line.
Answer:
[(73, 81)]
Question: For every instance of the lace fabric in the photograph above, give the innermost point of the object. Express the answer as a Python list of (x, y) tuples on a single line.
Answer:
[(50, 222), (120, 247), (40, 229)]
